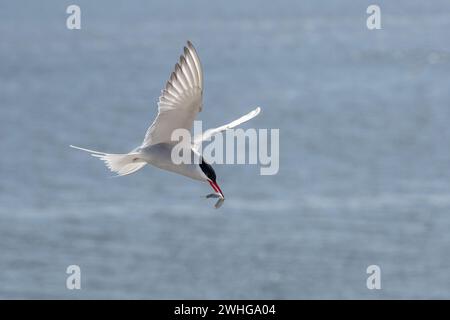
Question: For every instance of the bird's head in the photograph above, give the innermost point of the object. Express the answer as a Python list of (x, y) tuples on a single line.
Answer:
[(211, 177)]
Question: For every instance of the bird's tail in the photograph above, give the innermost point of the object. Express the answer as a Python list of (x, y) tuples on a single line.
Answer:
[(122, 164)]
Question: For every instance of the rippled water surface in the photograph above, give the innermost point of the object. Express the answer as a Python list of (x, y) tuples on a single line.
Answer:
[(364, 151)]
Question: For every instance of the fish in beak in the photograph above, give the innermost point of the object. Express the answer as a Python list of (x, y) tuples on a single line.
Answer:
[(218, 194)]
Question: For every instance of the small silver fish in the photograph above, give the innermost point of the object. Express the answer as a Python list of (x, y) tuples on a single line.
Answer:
[(213, 195), (216, 195), (219, 203)]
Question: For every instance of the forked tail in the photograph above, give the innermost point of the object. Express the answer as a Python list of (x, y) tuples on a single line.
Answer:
[(122, 164)]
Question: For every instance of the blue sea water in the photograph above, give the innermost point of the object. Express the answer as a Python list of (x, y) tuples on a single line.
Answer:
[(364, 173)]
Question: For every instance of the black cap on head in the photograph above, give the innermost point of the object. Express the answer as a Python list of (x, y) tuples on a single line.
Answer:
[(207, 170)]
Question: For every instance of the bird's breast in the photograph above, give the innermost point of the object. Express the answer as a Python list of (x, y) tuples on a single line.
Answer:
[(160, 156)]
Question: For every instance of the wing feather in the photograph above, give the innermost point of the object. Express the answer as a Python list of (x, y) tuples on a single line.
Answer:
[(191, 65), (181, 99), (198, 66), (211, 132), (181, 77)]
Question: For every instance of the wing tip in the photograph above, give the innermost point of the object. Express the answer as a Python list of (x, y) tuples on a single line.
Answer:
[(191, 49)]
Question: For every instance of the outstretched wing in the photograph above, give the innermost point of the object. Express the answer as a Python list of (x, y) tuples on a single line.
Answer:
[(180, 101), (210, 132)]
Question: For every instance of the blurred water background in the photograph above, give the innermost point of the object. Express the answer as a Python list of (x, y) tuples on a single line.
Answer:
[(364, 150)]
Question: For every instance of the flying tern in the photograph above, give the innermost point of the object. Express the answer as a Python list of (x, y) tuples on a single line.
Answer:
[(178, 105)]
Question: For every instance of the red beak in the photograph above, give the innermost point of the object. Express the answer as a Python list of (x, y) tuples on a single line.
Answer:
[(216, 188)]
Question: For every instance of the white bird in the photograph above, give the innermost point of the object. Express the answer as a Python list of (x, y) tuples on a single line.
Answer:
[(178, 106)]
